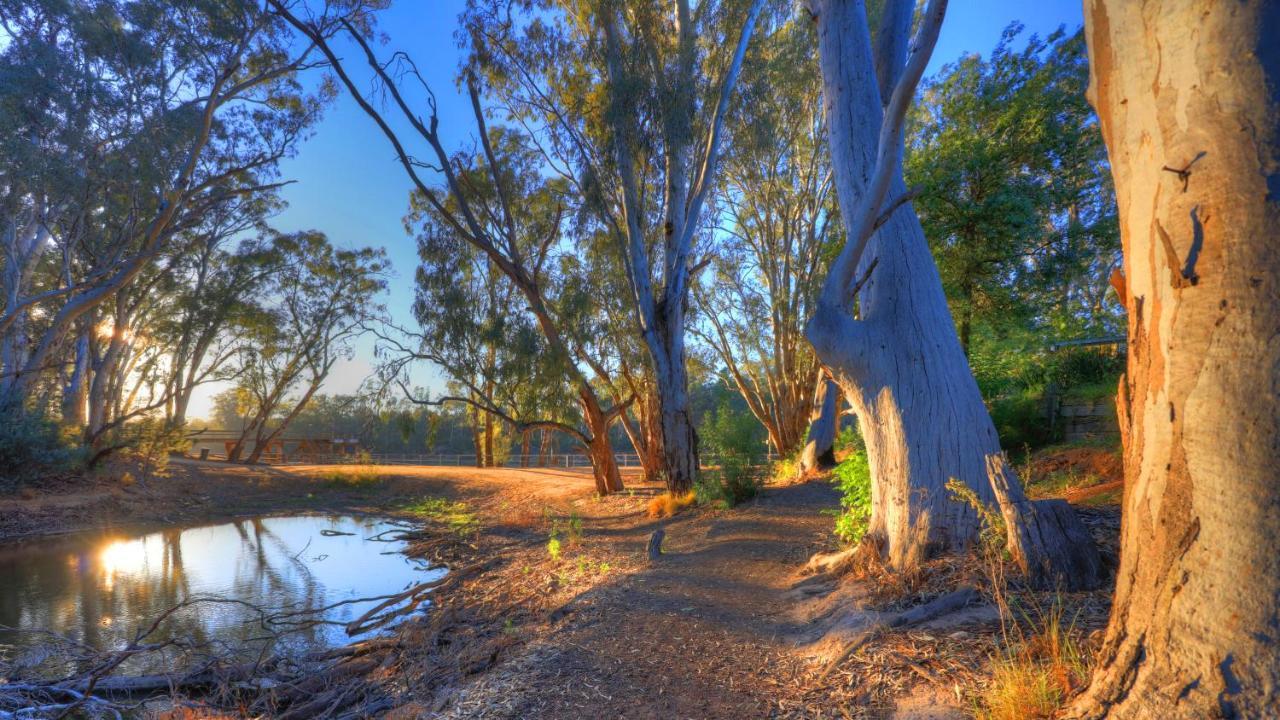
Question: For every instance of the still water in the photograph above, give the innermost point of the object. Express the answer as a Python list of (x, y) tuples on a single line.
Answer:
[(99, 591)]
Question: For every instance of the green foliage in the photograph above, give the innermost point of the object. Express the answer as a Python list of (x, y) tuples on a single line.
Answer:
[(994, 536), (1072, 368), (147, 441), (475, 322), (33, 446), (853, 477), (565, 533), (1020, 420), (732, 439), (1014, 373), (849, 440), (1017, 203), (457, 516), (787, 467)]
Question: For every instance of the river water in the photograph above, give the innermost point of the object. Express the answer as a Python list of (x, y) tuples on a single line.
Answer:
[(99, 591)]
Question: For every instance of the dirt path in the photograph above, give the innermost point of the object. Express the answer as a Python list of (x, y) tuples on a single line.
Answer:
[(704, 632)]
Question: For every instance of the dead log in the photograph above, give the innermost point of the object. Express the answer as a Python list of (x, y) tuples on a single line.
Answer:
[(1046, 540)]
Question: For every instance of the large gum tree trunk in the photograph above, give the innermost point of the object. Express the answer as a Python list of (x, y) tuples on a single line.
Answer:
[(1194, 630), (679, 443), (899, 363)]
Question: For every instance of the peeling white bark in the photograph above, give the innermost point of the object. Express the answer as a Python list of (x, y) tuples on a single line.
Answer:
[(899, 363), (1188, 95)]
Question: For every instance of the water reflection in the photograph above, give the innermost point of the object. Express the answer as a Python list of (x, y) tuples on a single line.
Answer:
[(100, 591)]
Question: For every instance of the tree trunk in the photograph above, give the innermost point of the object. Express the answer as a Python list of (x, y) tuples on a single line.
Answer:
[(645, 434), (679, 439), (1035, 533), (75, 394), (544, 447), (899, 364), (1186, 94), (819, 450), (604, 466), (489, 459), (524, 447)]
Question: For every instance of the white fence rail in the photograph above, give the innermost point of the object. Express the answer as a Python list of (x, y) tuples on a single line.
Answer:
[(558, 460), (570, 460)]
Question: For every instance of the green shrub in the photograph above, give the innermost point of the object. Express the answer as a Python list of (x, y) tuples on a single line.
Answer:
[(33, 446), (733, 438), (1073, 367), (849, 441), (565, 533), (786, 468), (1020, 420), (853, 477), (456, 516)]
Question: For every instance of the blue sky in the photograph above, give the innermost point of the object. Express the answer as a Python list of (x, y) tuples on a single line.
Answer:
[(349, 185)]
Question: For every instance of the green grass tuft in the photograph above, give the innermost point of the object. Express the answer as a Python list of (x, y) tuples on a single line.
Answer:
[(457, 516)]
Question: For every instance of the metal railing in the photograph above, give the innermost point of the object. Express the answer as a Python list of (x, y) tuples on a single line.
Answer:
[(557, 460), (560, 460)]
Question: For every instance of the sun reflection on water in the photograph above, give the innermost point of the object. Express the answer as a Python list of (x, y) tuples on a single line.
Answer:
[(122, 557)]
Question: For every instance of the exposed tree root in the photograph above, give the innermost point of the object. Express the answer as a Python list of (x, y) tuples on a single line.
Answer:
[(858, 627)]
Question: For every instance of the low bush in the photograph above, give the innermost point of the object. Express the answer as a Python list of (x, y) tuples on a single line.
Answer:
[(733, 440), (1020, 420), (356, 477), (667, 505), (565, 533), (786, 468), (849, 441), (1077, 367), (33, 446), (853, 477)]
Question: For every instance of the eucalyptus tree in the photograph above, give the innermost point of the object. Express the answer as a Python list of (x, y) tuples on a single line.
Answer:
[(521, 355), (492, 220), (320, 300), (1014, 194), (472, 323), (778, 209), (123, 120), (899, 361), (629, 102), (1194, 145), (217, 286)]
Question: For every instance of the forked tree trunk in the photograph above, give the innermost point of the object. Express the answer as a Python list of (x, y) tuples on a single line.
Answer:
[(643, 431), (899, 364), (604, 466), (819, 449), (1187, 95)]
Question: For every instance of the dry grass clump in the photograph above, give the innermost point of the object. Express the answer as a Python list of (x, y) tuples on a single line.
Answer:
[(667, 505), (1036, 672), (353, 476)]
